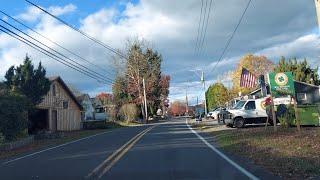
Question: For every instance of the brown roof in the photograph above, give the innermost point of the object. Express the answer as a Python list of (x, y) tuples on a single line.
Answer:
[(65, 87)]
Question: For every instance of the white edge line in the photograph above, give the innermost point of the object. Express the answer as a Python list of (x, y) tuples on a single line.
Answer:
[(48, 149), (241, 169)]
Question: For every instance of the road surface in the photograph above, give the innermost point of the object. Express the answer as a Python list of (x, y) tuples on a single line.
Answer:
[(159, 151)]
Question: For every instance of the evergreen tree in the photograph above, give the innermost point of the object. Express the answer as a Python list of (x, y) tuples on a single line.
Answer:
[(302, 71), (27, 80)]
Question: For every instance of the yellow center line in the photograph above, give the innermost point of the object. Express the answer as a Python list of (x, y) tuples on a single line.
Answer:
[(105, 162), (106, 169)]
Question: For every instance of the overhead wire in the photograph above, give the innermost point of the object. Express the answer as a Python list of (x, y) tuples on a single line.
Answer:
[(198, 32), (232, 35), (78, 30), (83, 67), (49, 54), (57, 44)]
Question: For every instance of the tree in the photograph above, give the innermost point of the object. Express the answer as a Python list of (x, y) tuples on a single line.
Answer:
[(164, 91), (177, 108), (105, 98), (217, 95), (301, 70), (27, 80), (258, 65), (119, 92), (141, 63), (13, 115)]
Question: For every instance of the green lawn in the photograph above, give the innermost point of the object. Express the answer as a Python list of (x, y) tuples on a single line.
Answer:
[(285, 153)]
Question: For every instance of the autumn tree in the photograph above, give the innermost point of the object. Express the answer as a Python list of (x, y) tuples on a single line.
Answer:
[(142, 63), (258, 65), (301, 70), (177, 108), (105, 98), (217, 95)]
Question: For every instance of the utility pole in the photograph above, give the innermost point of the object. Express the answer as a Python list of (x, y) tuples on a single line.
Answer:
[(204, 92), (187, 105), (317, 3), (145, 100)]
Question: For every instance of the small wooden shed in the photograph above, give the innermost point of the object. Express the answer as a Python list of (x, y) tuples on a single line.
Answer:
[(60, 109)]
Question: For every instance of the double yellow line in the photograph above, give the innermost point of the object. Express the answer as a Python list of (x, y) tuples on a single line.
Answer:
[(107, 164)]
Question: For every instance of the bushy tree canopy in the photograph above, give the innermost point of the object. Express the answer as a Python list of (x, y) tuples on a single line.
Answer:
[(27, 80), (301, 70), (217, 95)]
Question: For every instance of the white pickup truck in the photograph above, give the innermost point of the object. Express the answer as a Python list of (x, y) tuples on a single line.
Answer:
[(251, 111)]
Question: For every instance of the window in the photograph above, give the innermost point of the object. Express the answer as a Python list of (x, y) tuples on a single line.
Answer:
[(65, 104), (301, 96), (251, 105), (53, 90), (239, 105)]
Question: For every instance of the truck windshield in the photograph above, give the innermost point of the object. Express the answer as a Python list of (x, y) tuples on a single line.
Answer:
[(239, 105)]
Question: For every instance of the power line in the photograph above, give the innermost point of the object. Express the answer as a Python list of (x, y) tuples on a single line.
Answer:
[(198, 33), (206, 26), (48, 53), (202, 27), (78, 30), (232, 35), (83, 67), (19, 22)]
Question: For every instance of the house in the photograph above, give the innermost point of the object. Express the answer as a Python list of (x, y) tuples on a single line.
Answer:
[(58, 111), (88, 109), (96, 102)]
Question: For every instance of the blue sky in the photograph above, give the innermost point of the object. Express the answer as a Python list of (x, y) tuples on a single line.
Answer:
[(170, 27)]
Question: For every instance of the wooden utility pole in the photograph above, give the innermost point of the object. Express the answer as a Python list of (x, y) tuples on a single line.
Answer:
[(204, 92), (145, 100), (187, 104), (317, 3)]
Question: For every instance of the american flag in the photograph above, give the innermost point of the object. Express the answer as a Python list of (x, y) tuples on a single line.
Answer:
[(247, 79)]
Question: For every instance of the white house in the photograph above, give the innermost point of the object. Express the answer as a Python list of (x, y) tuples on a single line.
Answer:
[(88, 109)]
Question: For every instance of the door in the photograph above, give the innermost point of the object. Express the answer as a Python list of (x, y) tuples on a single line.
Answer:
[(54, 120), (251, 112)]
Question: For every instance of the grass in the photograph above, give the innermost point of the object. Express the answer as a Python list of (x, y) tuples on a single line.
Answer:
[(285, 153), (68, 136)]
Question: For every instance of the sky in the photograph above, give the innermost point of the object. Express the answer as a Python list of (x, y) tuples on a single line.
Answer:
[(271, 28)]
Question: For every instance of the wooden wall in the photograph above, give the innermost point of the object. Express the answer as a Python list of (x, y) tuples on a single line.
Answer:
[(67, 119)]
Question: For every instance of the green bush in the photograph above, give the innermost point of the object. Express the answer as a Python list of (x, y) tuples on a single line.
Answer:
[(2, 138), (288, 118), (13, 115)]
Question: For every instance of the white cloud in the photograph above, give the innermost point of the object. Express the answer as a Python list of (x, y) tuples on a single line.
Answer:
[(171, 27), (32, 13), (58, 11)]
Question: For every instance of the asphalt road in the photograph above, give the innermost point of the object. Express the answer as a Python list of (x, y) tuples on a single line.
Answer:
[(163, 151)]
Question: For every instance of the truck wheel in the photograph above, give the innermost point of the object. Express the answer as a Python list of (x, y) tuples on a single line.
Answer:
[(239, 122)]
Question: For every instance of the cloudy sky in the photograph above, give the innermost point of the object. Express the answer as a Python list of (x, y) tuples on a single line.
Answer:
[(272, 28)]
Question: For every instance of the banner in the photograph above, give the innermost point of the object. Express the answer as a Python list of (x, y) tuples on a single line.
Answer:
[(281, 84)]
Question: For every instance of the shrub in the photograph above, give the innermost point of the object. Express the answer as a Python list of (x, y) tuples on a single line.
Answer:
[(13, 115), (288, 118), (129, 112)]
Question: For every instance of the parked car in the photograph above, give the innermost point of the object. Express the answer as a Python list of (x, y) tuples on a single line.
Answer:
[(215, 112), (247, 112), (100, 114)]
